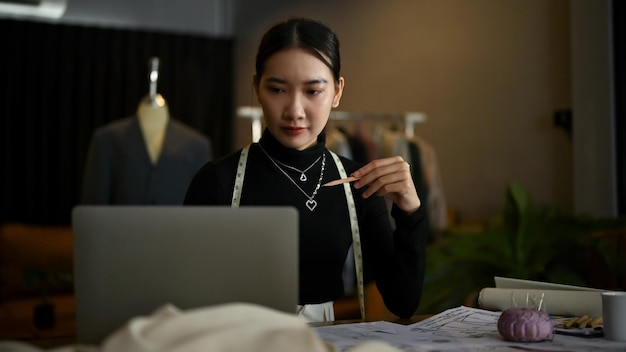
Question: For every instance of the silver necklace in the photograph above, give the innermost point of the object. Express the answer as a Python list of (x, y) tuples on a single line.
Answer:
[(311, 203), (303, 177)]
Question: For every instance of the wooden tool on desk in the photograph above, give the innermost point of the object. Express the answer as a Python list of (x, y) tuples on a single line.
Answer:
[(583, 322), (340, 181)]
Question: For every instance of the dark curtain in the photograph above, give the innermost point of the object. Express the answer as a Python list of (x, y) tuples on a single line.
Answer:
[(619, 59), (58, 83)]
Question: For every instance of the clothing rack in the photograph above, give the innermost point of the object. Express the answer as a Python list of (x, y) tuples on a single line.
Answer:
[(409, 119)]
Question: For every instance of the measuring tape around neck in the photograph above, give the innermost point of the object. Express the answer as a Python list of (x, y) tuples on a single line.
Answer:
[(356, 237)]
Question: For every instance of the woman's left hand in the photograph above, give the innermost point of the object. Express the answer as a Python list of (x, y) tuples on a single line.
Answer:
[(390, 177)]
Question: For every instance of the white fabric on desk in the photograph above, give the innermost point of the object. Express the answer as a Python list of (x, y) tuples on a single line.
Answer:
[(230, 327)]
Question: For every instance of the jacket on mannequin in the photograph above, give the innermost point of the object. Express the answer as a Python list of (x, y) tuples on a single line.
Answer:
[(143, 160)]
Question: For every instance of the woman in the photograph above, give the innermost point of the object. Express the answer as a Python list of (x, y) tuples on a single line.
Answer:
[(298, 83)]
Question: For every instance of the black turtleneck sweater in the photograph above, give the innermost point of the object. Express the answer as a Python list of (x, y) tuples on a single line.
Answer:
[(394, 259)]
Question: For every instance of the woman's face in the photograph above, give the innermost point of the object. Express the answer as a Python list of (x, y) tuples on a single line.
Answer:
[(297, 92)]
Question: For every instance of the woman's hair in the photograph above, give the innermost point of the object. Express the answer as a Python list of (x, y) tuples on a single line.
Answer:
[(302, 33)]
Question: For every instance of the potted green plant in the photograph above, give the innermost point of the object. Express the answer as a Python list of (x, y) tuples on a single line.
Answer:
[(527, 241), (44, 312)]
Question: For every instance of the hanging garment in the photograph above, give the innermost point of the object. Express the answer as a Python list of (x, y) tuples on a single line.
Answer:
[(436, 200)]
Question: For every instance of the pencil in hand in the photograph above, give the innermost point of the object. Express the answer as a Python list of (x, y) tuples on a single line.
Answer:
[(340, 181)]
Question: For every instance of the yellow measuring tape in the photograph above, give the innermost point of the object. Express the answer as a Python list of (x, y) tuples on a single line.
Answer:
[(356, 237)]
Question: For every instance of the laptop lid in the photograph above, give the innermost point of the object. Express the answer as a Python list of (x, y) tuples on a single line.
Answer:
[(130, 260)]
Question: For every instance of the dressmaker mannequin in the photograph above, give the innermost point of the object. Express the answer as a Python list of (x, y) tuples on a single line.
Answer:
[(148, 158), (153, 115)]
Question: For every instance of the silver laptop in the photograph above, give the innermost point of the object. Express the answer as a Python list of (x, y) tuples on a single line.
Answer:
[(130, 260)]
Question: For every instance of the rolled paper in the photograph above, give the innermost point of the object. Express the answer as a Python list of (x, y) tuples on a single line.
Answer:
[(559, 302)]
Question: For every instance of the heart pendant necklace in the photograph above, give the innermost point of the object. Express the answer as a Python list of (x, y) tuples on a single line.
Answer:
[(311, 203)]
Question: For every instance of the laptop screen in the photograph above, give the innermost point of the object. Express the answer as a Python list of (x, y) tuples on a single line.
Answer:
[(130, 260)]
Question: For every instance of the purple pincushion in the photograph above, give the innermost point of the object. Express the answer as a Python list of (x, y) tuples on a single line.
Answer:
[(525, 325)]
